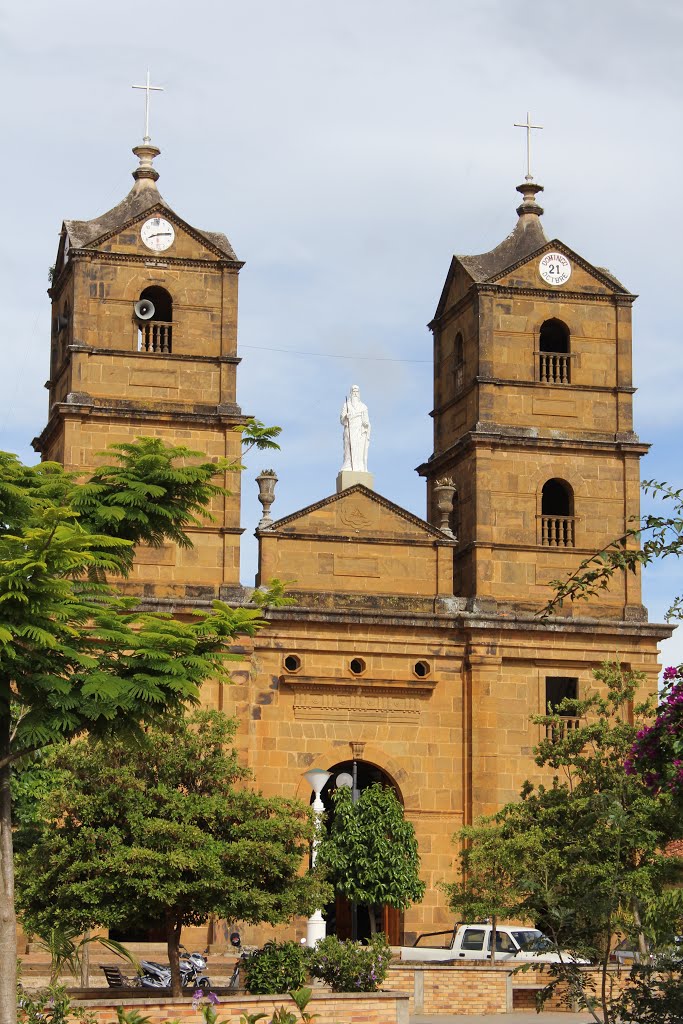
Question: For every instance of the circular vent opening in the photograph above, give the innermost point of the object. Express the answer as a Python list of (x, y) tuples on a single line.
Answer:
[(421, 669), (292, 662), (357, 666)]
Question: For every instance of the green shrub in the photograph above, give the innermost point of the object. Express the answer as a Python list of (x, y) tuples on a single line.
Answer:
[(278, 967), (50, 1005), (349, 966)]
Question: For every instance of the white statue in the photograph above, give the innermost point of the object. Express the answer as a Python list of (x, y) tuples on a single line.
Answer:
[(354, 418)]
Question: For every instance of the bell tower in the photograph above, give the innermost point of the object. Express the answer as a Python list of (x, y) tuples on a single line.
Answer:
[(144, 343), (533, 417)]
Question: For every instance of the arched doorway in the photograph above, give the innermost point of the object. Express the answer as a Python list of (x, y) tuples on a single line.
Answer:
[(342, 918)]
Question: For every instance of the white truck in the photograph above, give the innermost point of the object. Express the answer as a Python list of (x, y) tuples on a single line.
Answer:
[(473, 942)]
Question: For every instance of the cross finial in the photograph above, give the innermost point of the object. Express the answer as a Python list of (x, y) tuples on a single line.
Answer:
[(148, 88), (529, 126)]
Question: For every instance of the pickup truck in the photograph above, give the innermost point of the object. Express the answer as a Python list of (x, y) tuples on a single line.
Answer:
[(473, 942)]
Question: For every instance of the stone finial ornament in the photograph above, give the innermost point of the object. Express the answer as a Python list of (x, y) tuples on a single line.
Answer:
[(266, 481), (444, 492)]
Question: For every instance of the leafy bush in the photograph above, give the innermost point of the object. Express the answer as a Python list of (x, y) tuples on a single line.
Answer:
[(50, 1005), (654, 994), (349, 966), (278, 967)]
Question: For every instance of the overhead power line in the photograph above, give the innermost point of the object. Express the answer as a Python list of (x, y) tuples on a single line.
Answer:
[(335, 355)]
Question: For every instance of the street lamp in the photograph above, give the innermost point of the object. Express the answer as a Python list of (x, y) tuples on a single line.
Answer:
[(346, 781), (316, 779)]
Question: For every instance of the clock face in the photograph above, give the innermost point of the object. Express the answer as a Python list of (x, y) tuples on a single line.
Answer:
[(555, 268), (157, 234)]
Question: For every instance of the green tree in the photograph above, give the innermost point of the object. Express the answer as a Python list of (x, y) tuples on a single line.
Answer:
[(582, 858), (656, 535), (370, 851), (164, 829), (74, 656)]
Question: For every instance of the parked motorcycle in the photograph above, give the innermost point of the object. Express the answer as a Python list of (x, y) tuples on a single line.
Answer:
[(244, 954), (192, 972)]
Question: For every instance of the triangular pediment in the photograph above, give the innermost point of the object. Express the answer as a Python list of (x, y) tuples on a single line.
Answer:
[(515, 264), (584, 277), (118, 230), (356, 512)]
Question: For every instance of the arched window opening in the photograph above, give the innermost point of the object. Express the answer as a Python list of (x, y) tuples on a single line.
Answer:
[(459, 362), (557, 514), (554, 355), (155, 332)]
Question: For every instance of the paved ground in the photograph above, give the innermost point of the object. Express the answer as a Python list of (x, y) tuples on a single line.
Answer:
[(517, 1017)]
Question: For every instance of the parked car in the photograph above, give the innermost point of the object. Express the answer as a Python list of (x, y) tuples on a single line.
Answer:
[(627, 952), (473, 942)]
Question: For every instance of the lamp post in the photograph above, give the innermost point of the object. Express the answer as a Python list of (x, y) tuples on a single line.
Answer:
[(316, 779), (351, 782)]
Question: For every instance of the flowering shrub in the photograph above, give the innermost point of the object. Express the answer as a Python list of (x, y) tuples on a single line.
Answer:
[(349, 966), (657, 753)]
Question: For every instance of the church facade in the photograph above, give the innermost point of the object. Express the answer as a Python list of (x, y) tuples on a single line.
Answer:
[(414, 652)]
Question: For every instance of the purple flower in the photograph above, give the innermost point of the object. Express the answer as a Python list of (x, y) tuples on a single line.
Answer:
[(213, 998)]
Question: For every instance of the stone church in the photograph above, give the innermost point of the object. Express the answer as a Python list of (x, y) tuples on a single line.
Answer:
[(414, 650)]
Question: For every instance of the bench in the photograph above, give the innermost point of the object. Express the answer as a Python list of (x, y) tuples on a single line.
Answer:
[(115, 979)]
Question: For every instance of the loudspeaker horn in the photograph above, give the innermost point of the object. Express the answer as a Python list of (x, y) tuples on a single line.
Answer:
[(144, 309)]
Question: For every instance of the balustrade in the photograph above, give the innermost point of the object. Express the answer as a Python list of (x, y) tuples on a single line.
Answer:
[(553, 367), (556, 731), (155, 336), (557, 531)]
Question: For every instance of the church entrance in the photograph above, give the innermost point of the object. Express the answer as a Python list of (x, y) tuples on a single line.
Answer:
[(342, 917)]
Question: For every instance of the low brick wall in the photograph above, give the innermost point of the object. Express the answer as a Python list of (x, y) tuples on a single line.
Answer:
[(525, 985), (331, 1008), (438, 988)]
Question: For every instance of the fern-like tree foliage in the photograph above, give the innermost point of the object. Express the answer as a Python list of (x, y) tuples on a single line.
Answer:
[(75, 657)]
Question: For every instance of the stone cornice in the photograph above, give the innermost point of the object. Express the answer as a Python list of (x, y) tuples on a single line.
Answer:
[(170, 261), (83, 406), (359, 684), (554, 389), (463, 622), (153, 356), (492, 436), (611, 299), (457, 619), (356, 538)]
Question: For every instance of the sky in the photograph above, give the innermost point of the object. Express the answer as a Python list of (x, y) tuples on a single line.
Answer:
[(348, 150)]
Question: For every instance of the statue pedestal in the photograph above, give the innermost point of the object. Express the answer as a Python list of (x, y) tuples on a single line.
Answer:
[(349, 477)]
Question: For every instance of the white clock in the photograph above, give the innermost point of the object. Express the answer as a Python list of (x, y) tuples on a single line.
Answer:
[(157, 234), (555, 268)]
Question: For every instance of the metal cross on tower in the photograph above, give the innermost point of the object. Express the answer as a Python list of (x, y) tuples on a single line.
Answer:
[(148, 88), (529, 126)]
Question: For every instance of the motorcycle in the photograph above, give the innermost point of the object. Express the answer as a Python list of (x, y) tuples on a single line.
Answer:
[(244, 954), (192, 968)]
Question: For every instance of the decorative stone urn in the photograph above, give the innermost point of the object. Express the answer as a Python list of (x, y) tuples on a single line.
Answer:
[(266, 481), (444, 491)]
